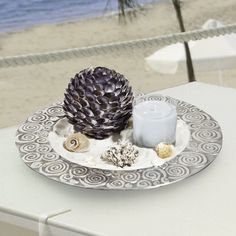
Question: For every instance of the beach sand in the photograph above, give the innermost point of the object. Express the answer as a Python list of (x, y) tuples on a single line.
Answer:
[(25, 89)]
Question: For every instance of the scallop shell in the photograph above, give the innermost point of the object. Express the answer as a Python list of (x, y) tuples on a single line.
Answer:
[(164, 150), (77, 142)]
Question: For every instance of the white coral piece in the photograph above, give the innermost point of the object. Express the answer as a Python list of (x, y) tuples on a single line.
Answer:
[(123, 153)]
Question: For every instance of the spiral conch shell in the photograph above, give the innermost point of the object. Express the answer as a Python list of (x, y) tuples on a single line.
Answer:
[(77, 142)]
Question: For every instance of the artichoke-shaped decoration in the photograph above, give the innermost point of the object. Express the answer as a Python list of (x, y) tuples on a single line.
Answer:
[(98, 102)]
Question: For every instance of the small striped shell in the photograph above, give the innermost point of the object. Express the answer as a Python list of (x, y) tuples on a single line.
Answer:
[(77, 142)]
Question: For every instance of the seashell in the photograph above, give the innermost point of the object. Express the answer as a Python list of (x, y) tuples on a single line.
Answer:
[(63, 128), (76, 142), (164, 150), (123, 153)]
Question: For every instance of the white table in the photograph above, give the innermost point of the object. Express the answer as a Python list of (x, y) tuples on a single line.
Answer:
[(201, 205)]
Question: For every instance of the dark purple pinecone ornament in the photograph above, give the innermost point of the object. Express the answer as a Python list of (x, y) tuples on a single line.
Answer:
[(98, 102)]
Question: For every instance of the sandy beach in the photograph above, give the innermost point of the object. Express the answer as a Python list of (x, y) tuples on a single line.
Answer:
[(25, 89)]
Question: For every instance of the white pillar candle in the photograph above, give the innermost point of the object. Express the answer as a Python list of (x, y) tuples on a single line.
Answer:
[(154, 122)]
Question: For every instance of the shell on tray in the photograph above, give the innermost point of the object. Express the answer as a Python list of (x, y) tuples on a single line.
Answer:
[(164, 150), (77, 142), (121, 154)]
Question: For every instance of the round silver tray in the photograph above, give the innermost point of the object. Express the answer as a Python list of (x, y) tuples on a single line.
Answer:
[(203, 147)]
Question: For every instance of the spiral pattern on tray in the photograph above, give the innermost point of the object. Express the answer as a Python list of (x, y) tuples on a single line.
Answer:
[(116, 184), (44, 148), (66, 177), (54, 168), (181, 110), (38, 117), (144, 183), (197, 117), (31, 157), (204, 135), (209, 124), (193, 159), (49, 123), (131, 177), (30, 127), (29, 147), (204, 145), (55, 111), (79, 171), (41, 140), (194, 126), (210, 148), (95, 179), (26, 137), (155, 98), (177, 171), (50, 156), (151, 174)]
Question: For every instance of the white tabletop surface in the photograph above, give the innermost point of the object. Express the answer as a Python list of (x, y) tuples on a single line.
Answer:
[(201, 205)]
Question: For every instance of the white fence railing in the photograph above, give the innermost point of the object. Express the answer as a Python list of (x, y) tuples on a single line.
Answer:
[(59, 55)]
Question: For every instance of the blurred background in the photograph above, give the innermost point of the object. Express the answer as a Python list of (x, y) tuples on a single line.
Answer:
[(37, 26)]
